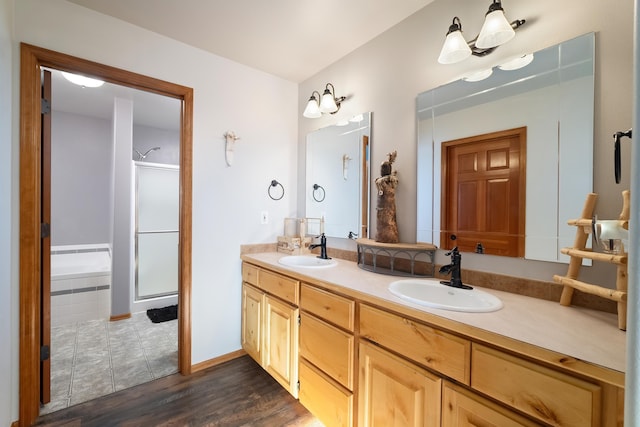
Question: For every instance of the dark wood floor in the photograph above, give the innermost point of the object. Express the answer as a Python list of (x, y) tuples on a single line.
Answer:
[(235, 393)]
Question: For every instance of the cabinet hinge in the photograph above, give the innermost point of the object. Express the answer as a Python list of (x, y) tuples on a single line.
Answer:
[(45, 353), (45, 106)]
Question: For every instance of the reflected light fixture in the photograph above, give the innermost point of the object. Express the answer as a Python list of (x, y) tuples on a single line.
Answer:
[(517, 62), (495, 31), (82, 80), (478, 75), (327, 104)]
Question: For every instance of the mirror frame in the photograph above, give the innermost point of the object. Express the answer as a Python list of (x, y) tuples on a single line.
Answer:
[(547, 232)]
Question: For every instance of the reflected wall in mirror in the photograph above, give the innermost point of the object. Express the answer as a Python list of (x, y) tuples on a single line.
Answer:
[(553, 97), (337, 179)]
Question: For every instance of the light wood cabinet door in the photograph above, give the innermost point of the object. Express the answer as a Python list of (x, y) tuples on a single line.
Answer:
[(461, 408), (280, 357), (324, 398), (252, 303), (395, 392)]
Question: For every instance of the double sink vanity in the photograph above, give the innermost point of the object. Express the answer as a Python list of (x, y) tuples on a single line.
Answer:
[(359, 349)]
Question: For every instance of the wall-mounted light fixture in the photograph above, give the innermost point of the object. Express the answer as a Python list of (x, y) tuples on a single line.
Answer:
[(327, 104), (495, 31)]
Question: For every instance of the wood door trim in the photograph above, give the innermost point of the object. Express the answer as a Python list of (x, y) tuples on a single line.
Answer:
[(45, 278), (31, 59)]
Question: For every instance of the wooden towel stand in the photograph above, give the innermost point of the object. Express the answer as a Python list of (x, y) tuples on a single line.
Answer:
[(580, 251)]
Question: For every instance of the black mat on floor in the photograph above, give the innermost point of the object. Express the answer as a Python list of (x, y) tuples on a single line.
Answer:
[(157, 315)]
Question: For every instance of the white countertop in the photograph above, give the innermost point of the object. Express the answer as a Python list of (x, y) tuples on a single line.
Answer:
[(587, 335)]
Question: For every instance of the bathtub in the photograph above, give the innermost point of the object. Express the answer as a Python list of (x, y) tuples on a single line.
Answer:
[(80, 283)]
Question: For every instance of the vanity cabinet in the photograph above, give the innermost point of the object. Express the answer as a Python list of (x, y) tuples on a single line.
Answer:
[(269, 331), (363, 361), (327, 355)]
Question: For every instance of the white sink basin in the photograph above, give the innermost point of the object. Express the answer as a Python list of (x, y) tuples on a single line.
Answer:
[(306, 261), (431, 293)]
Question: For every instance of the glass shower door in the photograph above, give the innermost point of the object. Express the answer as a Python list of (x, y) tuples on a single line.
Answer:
[(156, 230)]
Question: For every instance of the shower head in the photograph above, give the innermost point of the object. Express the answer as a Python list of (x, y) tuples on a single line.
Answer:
[(142, 156)]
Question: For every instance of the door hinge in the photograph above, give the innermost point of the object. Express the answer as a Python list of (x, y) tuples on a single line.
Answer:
[(45, 230), (299, 320), (45, 353), (45, 106), (298, 385)]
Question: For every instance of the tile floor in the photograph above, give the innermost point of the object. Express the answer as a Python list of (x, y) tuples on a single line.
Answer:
[(97, 357)]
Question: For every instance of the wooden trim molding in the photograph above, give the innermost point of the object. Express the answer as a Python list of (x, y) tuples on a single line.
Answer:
[(120, 317), (31, 59), (217, 360)]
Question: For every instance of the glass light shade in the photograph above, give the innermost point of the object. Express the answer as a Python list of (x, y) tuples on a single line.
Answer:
[(495, 31), (517, 63), (328, 103), (82, 80), (454, 49), (312, 111)]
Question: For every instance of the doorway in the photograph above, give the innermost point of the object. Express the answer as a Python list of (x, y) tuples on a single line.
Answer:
[(483, 193), (31, 298)]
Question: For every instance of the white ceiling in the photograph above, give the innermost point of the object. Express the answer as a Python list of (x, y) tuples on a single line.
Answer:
[(293, 39), (149, 109)]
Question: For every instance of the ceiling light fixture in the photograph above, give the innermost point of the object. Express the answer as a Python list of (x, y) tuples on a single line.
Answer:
[(495, 31), (82, 80), (327, 104)]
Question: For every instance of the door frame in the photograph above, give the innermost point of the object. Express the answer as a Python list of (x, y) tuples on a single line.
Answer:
[(30, 268)]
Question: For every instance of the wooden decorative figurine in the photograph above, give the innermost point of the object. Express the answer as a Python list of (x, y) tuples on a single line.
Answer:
[(387, 227)]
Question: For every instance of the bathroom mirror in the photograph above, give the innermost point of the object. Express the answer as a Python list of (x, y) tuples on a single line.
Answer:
[(337, 177), (553, 97)]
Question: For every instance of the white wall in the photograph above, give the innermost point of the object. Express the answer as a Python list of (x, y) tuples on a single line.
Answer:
[(227, 202), (385, 75), (8, 218), (80, 179), (145, 138)]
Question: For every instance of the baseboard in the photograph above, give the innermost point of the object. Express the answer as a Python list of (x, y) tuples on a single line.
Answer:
[(217, 360), (120, 317)]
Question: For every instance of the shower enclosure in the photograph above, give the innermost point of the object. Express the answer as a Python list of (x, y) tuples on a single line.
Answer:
[(156, 230)]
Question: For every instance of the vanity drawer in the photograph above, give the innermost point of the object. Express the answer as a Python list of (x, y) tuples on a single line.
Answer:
[(543, 393), (283, 287), (460, 407), (327, 400), (250, 273), (327, 347), (435, 349), (333, 308)]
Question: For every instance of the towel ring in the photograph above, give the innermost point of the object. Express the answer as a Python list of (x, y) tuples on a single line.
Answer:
[(275, 183), (315, 188)]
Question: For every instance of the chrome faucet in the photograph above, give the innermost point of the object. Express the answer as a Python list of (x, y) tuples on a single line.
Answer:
[(322, 246), (454, 269)]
